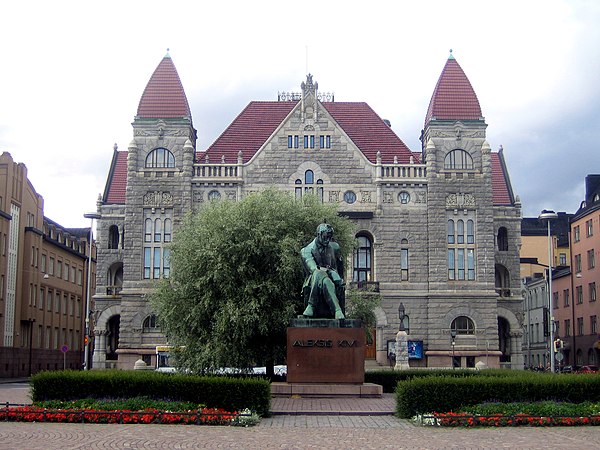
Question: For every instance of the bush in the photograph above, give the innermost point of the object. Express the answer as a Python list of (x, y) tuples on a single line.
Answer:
[(389, 378), (213, 392), (445, 393)]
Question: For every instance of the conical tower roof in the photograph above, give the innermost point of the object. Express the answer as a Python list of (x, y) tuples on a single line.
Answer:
[(453, 97), (164, 97)]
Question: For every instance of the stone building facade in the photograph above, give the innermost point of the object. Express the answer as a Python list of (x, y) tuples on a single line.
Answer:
[(438, 229)]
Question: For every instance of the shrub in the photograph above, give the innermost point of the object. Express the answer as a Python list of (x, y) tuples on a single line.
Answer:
[(445, 393), (213, 392)]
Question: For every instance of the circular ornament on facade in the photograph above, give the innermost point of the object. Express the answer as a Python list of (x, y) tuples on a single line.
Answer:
[(349, 197), (404, 197), (214, 195)]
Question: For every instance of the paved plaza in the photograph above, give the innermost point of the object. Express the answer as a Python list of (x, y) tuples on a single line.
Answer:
[(308, 424)]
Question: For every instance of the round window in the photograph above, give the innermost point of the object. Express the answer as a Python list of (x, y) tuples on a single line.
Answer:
[(404, 197), (214, 195), (349, 197)]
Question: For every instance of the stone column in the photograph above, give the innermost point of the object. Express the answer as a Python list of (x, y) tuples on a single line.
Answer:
[(401, 351), (99, 357)]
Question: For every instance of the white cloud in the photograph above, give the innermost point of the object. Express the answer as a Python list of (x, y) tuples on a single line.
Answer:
[(74, 73)]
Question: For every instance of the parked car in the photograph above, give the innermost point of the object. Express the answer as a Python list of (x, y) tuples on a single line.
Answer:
[(588, 369), (566, 369)]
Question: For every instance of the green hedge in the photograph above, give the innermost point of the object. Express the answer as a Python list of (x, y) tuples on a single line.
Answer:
[(212, 392), (389, 378), (445, 393)]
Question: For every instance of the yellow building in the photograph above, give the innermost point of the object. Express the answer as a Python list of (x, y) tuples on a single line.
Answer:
[(43, 275)]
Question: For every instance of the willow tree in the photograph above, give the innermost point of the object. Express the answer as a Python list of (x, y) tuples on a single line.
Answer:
[(236, 278)]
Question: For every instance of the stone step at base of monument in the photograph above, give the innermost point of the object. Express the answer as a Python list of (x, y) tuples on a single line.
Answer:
[(326, 390)]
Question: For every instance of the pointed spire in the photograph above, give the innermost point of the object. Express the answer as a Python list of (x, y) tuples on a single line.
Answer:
[(164, 97), (453, 97)]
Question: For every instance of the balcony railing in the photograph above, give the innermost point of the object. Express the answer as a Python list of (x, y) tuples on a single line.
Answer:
[(113, 290)]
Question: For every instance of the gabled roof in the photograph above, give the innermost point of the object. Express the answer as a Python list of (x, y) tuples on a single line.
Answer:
[(501, 189), (453, 97), (259, 120), (114, 192), (369, 132), (164, 97), (248, 131)]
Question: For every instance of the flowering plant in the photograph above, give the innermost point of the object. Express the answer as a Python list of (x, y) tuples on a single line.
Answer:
[(203, 416), (451, 419)]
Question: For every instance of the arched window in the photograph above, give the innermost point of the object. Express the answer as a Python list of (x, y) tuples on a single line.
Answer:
[(450, 231), (168, 230), (502, 239), (458, 160), (150, 323), (460, 232), (320, 189), (113, 237), (502, 278), (148, 230), (160, 158), (306, 185), (362, 259), (463, 325), (157, 230)]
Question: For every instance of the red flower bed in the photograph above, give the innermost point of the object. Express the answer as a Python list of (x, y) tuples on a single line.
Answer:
[(205, 416), (497, 420)]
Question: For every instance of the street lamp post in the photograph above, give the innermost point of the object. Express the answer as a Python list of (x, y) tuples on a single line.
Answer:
[(453, 336), (86, 354), (548, 215)]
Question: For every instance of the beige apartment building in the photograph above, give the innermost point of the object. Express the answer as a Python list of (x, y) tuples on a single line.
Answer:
[(43, 275)]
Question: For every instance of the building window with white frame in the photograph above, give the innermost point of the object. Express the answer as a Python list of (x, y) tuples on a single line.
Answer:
[(362, 259), (157, 234), (461, 251)]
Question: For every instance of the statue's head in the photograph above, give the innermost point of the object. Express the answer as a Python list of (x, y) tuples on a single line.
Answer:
[(324, 233)]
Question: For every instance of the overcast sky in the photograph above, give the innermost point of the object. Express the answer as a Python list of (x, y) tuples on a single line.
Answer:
[(73, 75)]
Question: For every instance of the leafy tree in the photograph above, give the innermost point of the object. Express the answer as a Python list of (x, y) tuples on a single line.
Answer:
[(236, 278), (361, 304)]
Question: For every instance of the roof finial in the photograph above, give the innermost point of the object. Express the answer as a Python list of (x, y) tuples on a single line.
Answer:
[(451, 56), (167, 55)]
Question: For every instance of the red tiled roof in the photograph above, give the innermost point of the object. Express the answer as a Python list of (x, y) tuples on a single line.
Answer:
[(248, 131), (501, 190), (257, 122), (369, 132), (164, 97), (453, 97), (117, 181)]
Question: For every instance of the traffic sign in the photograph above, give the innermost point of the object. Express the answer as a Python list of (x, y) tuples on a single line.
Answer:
[(559, 356)]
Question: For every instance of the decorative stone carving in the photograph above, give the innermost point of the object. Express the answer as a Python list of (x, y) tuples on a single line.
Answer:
[(198, 196), (460, 200), (421, 197), (366, 197), (231, 195), (388, 197), (334, 196), (158, 199)]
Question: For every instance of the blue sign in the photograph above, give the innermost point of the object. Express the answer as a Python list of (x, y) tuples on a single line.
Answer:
[(415, 349)]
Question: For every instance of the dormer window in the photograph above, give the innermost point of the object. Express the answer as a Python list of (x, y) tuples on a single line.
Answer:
[(160, 158)]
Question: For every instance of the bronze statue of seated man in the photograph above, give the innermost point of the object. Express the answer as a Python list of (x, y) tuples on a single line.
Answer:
[(323, 288)]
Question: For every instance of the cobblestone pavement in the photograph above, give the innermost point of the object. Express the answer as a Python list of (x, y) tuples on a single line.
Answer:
[(332, 423), (301, 432)]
